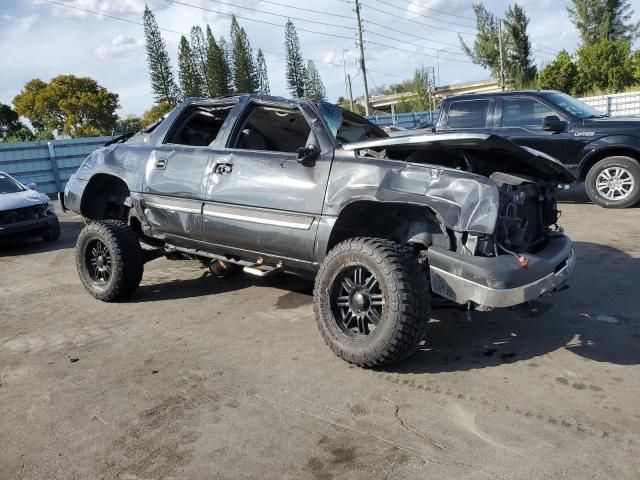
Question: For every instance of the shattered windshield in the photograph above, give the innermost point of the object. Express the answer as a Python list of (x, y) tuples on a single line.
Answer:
[(347, 127)]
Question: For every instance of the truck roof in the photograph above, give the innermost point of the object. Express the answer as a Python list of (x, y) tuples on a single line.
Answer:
[(502, 94)]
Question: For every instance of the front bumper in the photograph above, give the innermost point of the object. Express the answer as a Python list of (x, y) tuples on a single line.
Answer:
[(500, 281), (34, 227)]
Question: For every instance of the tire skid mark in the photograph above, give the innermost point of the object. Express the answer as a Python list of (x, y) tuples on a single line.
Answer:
[(564, 425)]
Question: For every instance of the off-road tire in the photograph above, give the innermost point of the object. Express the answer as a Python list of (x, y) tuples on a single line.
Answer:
[(405, 287), (630, 165), (52, 233), (126, 257)]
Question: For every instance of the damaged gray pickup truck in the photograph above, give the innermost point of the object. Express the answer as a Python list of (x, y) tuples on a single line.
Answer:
[(384, 225)]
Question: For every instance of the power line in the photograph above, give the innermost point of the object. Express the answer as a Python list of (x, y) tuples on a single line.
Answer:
[(302, 9), (264, 22), (298, 19), (414, 44), (422, 24), (410, 34), (416, 53), (426, 16), (439, 11)]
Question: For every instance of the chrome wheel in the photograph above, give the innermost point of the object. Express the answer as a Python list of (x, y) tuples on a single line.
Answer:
[(357, 301), (615, 183)]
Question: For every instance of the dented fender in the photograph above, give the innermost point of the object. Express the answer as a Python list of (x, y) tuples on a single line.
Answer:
[(461, 201)]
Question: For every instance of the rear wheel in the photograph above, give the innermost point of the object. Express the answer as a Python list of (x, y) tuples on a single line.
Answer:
[(614, 182), (109, 260), (371, 301)]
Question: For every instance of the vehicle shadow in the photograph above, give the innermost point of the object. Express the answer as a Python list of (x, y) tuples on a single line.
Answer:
[(596, 318), (15, 246), (298, 291)]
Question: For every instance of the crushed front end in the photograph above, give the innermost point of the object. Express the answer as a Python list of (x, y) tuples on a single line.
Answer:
[(526, 256)]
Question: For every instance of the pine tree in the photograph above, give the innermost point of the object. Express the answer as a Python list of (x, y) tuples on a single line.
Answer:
[(520, 68), (227, 84), (242, 63), (188, 72), (163, 84), (313, 86), (263, 78), (217, 66), (295, 63), (199, 49), (598, 20)]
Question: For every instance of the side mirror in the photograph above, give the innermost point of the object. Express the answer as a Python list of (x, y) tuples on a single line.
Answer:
[(553, 124), (307, 155), (31, 186)]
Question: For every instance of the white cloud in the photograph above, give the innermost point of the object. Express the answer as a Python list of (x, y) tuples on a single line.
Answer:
[(120, 45), (109, 7)]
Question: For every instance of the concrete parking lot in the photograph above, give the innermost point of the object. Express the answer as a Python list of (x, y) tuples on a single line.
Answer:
[(200, 378)]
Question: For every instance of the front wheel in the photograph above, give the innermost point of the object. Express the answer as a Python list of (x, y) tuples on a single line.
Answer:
[(109, 260), (371, 301), (52, 233), (614, 182)]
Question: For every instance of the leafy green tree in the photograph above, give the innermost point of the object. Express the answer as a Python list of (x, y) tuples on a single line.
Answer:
[(598, 20), (520, 68), (131, 123), (561, 74), (226, 63), (218, 74), (163, 84), (71, 105), (263, 77), (242, 62), (485, 50), (9, 122), (604, 66), (421, 90), (313, 86), (155, 113), (188, 71), (199, 51), (516, 46), (295, 63), (635, 60)]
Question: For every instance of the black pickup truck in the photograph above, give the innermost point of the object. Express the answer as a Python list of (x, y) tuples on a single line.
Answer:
[(602, 151), (265, 185)]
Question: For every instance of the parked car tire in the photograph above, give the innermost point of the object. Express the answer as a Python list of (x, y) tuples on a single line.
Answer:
[(372, 301), (53, 232), (614, 182), (109, 260)]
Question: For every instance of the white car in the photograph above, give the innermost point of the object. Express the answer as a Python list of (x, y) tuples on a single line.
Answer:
[(25, 212)]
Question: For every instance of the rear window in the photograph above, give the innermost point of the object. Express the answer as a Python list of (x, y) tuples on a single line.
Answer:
[(468, 114)]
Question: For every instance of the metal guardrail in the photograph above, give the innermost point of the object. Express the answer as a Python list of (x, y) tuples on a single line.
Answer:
[(616, 105), (47, 164), (404, 120)]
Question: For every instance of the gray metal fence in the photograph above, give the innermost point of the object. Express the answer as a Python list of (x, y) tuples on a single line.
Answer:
[(48, 164), (405, 120)]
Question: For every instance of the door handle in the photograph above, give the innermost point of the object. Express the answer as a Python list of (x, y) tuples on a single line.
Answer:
[(222, 168), (160, 164)]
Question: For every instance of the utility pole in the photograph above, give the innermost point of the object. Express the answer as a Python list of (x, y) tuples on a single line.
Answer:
[(362, 63), (344, 65), (350, 91), (501, 56)]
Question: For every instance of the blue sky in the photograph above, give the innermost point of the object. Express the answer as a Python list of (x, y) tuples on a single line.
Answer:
[(42, 40)]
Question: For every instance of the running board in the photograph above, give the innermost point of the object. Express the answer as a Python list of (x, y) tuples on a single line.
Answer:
[(261, 270)]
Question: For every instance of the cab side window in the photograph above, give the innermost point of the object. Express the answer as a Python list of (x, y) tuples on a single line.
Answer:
[(468, 113), (274, 129), (198, 126), (524, 112)]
